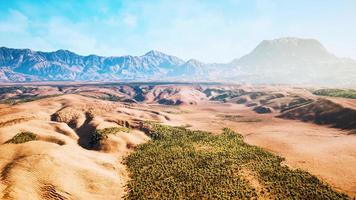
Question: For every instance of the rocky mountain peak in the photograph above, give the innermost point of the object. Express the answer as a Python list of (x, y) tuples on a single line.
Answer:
[(282, 60), (155, 53)]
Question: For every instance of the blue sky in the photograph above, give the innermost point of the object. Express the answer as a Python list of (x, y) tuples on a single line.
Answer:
[(208, 30)]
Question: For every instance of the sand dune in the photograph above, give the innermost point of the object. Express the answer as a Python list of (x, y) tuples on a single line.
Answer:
[(57, 165)]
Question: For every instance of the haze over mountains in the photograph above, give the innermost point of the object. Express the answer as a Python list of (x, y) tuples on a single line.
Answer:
[(281, 61)]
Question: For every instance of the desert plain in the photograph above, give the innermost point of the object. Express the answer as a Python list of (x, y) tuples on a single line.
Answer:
[(313, 133)]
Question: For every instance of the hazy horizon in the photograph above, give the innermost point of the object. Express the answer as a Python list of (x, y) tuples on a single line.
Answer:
[(208, 31), (155, 50)]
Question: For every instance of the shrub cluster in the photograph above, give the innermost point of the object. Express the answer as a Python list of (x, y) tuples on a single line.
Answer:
[(183, 164), (347, 93), (22, 137), (25, 98), (102, 134)]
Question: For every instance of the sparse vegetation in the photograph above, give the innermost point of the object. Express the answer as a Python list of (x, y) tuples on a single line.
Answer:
[(183, 164), (25, 98), (239, 118), (210, 91), (13, 89), (110, 97), (346, 93), (177, 112), (262, 109), (222, 94), (103, 134), (297, 102), (220, 97), (22, 137)]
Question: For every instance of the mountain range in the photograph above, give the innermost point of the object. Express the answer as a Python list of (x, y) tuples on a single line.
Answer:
[(281, 61)]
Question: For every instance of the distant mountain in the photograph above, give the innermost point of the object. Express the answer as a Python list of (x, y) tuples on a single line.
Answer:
[(191, 68), (285, 51), (283, 60), (28, 65), (294, 60)]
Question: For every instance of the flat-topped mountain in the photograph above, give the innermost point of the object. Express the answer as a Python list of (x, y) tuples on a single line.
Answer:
[(282, 61), (294, 61), (287, 51)]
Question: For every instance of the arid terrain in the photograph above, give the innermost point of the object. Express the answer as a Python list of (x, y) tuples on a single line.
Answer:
[(71, 159), (177, 100)]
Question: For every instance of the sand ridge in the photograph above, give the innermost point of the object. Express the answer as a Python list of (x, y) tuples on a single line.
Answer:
[(56, 165)]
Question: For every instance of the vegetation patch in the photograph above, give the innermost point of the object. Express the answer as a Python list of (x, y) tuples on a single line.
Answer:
[(25, 98), (184, 164), (23, 94), (230, 117), (110, 97), (347, 93), (103, 134), (22, 137), (238, 118), (177, 111), (106, 97), (13, 89)]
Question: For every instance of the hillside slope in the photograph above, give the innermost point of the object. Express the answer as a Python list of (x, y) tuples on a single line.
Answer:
[(325, 112), (66, 158)]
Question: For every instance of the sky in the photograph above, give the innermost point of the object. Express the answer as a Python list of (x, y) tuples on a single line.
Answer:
[(207, 30)]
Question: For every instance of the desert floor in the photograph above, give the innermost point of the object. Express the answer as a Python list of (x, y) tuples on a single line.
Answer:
[(56, 166), (326, 152)]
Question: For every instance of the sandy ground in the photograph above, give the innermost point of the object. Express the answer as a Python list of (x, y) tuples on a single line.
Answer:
[(349, 103), (326, 152), (59, 166)]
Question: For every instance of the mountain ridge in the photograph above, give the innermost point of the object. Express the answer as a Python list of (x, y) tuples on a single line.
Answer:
[(271, 61)]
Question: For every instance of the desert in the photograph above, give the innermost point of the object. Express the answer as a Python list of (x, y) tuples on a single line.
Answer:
[(191, 99), (66, 124)]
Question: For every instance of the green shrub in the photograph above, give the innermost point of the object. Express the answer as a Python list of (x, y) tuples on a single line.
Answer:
[(239, 118), (25, 98), (102, 134), (184, 164), (22, 137), (347, 93), (13, 89)]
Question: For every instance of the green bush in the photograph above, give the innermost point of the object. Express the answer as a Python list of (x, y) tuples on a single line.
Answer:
[(102, 134), (22, 137), (183, 164), (13, 89), (347, 93), (25, 98)]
